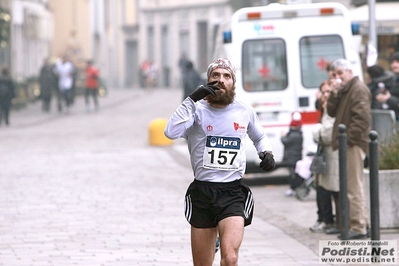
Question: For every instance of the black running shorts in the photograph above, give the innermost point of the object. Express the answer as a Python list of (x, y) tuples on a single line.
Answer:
[(207, 203)]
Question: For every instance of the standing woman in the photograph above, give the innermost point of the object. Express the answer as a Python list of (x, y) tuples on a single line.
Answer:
[(7, 93), (327, 184)]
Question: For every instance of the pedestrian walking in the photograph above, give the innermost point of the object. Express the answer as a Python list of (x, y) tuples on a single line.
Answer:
[(215, 125), (65, 71), (349, 103), (92, 83), (7, 93), (191, 79), (48, 84), (144, 68), (152, 75), (183, 63)]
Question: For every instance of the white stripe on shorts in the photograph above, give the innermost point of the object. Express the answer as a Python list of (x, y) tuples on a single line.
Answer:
[(188, 207), (249, 204)]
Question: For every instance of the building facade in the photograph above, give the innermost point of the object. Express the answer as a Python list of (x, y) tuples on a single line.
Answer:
[(169, 29), (5, 33), (27, 31)]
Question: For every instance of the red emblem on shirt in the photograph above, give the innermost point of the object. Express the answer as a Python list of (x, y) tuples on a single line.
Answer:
[(238, 127)]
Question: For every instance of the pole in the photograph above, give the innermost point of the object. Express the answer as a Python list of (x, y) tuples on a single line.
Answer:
[(374, 188), (343, 183), (372, 27)]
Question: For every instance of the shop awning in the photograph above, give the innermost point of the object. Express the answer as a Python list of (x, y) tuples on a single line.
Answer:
[(386, 17)]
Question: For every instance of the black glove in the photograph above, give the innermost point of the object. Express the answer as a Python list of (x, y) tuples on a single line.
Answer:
[(267, 163), (202, 91)]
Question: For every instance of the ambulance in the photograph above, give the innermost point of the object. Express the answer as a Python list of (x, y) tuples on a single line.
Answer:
[(280, 53)]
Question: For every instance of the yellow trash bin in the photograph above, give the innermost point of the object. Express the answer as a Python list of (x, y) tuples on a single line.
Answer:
[(157, 137)]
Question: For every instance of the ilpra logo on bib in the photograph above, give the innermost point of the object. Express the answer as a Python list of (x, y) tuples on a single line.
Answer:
[(222, 153)]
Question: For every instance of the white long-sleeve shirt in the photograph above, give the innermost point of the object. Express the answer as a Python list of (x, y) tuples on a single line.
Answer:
[(65, 74), (216, 137)]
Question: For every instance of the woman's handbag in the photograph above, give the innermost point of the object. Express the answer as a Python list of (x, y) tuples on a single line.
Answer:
[(319, 165)]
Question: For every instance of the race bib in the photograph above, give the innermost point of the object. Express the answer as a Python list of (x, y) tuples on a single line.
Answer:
[(222, 153)]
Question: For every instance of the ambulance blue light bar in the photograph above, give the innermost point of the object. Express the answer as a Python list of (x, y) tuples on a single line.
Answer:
[(227, 37), (355, 28)]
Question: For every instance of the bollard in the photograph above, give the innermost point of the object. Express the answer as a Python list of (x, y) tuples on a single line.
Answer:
[(157, 136), (343, 183), (374, 187)]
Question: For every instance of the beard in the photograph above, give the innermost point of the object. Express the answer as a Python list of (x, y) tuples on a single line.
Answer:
[(221, 98)]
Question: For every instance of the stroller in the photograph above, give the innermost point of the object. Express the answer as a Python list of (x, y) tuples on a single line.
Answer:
[(302, 192), (303, 169)]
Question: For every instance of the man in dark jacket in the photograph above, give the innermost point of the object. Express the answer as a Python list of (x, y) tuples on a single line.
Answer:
[(7, 93), (381, 81), (191, 79), (48, 84), (349, 103), (391, 96)]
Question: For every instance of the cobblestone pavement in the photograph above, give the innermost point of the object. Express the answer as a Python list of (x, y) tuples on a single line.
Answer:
[(88, 189)]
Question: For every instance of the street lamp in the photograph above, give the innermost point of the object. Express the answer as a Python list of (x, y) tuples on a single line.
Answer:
[(4, 28)]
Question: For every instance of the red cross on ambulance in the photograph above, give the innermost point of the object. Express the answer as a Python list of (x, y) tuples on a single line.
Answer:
[(264, 71), (322, 63)]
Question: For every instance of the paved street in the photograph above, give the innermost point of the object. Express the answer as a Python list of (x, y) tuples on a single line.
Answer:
[(88, 189)]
